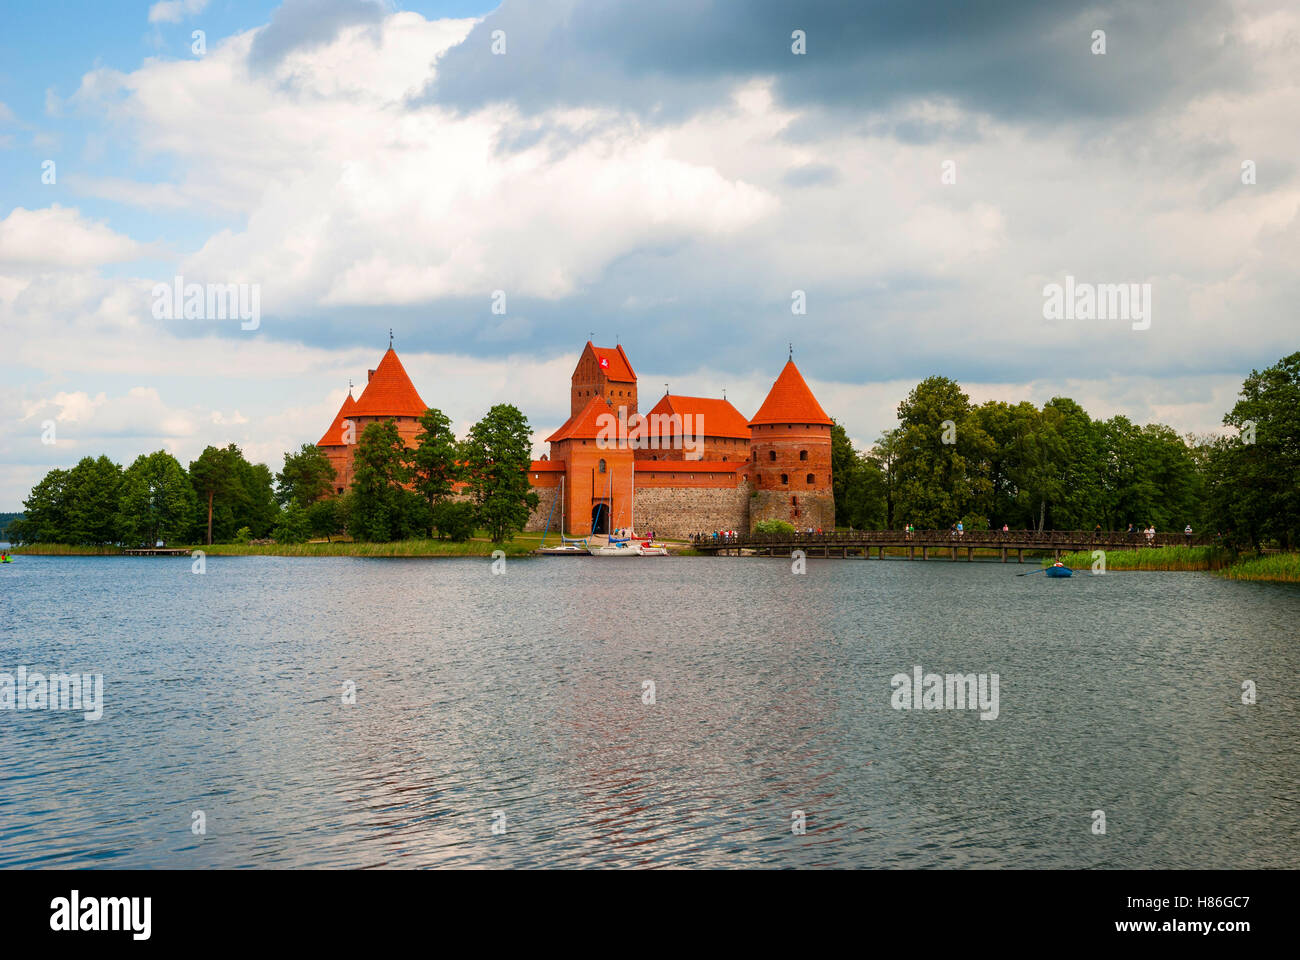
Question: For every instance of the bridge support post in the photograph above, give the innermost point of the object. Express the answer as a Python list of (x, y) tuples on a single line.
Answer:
[(1020, 555), (925, 553), (954, 553), (969, 553), (880, 553), (1004, 554)]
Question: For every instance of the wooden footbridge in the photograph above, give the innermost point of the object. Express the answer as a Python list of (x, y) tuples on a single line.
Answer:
[(944, 543)]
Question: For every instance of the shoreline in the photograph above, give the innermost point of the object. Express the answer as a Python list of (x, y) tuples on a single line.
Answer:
[(1268, 568)]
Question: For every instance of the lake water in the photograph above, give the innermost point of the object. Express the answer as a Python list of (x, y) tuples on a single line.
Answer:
[(517, 701)]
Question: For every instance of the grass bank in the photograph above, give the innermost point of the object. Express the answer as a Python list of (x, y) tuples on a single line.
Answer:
[(1155, 558), (522, 545), (1279, 567), (1276, 567), (64, 550)]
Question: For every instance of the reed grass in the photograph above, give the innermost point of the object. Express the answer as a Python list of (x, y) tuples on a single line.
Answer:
[(1154, 558), (64, 550), (1277, 567)]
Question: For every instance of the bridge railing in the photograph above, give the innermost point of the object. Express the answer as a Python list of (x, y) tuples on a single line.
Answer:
[(971, 538)]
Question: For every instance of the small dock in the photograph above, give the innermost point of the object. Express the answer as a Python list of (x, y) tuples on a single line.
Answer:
[(156, 552)]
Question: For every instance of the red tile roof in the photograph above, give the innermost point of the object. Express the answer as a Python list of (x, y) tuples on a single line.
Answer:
[(584, 424), (334, 435), (389, 393), (613, 363), (711, 417), (790, 401)]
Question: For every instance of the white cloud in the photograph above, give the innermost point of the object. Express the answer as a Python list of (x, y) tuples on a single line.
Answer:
[(58, 236), (173, 11)]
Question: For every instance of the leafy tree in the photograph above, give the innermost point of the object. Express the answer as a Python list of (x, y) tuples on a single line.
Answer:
[(213, 476), (454, 520), (257, 507), (94, 487), (45, 511), (294, 526), (497, 454), (324, 517), (1255, 486), (774, 526), (434, 463), (941, 449), (306, 477), (379, 508), (156, 502)]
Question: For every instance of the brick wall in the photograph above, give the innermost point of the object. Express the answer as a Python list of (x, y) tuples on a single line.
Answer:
[(681, 511)]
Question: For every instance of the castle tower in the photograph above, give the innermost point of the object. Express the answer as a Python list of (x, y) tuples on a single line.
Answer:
[(598, 470), (390, 395), (790, 451), (604, 373), (337, 441)]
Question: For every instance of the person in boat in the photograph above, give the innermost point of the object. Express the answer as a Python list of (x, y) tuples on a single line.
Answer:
[(1058, 563)]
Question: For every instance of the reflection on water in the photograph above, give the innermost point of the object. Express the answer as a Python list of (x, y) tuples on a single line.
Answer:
[(523, 694)]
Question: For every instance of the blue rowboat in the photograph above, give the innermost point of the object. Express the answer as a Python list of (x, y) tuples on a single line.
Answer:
[(1059, 572)]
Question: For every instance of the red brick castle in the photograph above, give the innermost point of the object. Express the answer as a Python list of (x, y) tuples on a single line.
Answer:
[(691, 464)]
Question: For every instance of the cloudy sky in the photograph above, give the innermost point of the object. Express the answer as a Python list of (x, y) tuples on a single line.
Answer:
[(666, 175)]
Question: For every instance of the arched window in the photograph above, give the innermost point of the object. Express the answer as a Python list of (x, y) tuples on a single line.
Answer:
[(602, 466), (785, 478), (811, 481), (771, 454), (803, 454)]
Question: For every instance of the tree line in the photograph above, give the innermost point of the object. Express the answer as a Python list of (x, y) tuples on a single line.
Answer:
[(1055, 467), (397, 492)]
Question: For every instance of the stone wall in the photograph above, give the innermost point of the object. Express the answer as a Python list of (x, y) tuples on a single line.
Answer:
[(682, 511), (537, 519), (815, 510)]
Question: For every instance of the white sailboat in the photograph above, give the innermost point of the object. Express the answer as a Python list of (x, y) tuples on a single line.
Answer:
[(615, 548), (567, 547), (644, 547)]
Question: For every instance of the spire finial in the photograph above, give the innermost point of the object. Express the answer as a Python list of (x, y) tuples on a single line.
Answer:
[(792, 350), (390, 338), (349, 386), (665, 389)]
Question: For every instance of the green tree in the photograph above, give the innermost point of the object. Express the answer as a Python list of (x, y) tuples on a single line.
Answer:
[(213, 476), (324, 518), (293, 526), (45, 511), (941, 453), (379, 507), (94, 487), (306, 477), (1254, 482), (454, 520), (497, 454), (435, 467), (156, 502)]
